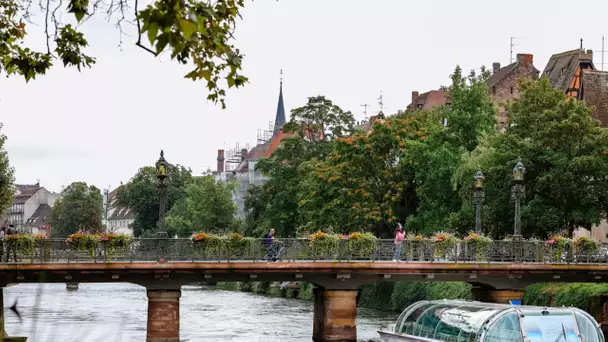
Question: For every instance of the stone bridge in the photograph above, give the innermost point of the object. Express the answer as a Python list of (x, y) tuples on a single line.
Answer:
[(498, 271)]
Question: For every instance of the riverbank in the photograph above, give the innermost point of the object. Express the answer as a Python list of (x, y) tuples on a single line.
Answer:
[(394, 297)]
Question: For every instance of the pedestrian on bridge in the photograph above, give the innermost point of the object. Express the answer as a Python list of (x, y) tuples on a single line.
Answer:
[(11, 248), (272, 246), (399, 237)]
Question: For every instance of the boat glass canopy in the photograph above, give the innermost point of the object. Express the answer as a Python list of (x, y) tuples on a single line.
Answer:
[(457, 320)]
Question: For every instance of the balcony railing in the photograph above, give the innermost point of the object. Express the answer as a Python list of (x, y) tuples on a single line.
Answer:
[(256, 250)]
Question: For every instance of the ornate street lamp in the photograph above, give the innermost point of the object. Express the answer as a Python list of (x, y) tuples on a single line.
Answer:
[(161, 175), (478, 198), (518, 191)]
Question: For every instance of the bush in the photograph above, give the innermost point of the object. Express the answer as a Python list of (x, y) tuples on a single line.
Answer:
[(362, 244), (325, 245), (24, 244), (444, 244), (405, 294), (377, 296), (478, 245)]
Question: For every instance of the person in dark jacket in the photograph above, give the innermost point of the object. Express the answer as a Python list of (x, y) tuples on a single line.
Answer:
[(9, 248)]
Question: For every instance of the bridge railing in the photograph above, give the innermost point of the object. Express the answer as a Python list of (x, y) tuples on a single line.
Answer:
[(257, 250)]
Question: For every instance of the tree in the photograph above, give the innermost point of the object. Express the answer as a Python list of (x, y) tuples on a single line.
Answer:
[(256, 202), (366, 183), (79, 209), (140, 194), (311, 130), (207, 207), (196, 31), (564, 151), (6, 176), (470, 117)]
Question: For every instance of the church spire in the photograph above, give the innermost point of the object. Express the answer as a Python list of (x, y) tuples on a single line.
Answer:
[(279, 119)]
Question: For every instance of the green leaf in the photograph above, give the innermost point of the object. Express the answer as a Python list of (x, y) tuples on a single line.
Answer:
[(79, 15), (206, 74), (187, 27), (161, 42), (152, 32)]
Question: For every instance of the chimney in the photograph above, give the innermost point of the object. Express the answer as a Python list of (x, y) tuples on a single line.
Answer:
[(220, 161), (525, 58), (588, 55), (495, 67), (243, 154), (414, 96)]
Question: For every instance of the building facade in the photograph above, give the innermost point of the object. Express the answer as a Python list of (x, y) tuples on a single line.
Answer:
[(245, 173), (31, 209), (119, 217), (503, 83)]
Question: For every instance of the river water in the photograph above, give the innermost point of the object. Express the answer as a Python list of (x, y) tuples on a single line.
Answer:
[(118, 312)]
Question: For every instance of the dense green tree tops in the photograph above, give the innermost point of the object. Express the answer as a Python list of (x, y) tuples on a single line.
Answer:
[(6, 176), (413, 168), (192, 31), (140, 194), (79, 208), (564, 151), (207, 207)]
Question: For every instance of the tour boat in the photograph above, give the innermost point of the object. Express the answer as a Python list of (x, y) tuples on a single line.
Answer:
[(457, 320)]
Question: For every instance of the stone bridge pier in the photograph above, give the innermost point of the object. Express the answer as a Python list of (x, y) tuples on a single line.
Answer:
[(163, 314), (335, 315)]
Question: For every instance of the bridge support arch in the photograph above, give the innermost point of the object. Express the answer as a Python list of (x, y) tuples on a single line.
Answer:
[(490, 295), (335, 315), (163, 315)]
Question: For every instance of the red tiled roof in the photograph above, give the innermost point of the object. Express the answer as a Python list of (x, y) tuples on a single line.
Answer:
[(429, 100)]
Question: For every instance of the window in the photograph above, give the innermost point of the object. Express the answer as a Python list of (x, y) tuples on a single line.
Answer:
[(445, 122), (511, 90), (506, 329)]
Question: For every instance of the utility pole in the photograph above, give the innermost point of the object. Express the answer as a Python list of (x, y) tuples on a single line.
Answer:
[(511, 45), (106, 193), (365, 105), (381, 102)]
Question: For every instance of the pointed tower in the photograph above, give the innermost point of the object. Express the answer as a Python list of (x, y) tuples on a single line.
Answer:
[(279, 119)]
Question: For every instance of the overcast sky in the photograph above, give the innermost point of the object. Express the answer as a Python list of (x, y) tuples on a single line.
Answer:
[(101, 125)]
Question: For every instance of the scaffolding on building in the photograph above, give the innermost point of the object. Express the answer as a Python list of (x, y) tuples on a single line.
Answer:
[(235, 156), (264, 135)]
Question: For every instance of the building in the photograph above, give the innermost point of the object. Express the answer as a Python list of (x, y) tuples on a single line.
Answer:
[(31, 209), (503, 83), (574, 73), (428, 100), (239, 164), (119, 217)]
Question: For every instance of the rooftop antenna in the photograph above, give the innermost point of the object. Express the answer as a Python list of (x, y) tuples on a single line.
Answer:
[(511, 45), (281, 76), (602, 52), (380, 102), (365, 105), (581, 43)]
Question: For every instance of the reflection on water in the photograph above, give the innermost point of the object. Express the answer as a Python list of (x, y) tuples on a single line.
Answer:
[(118, 312)]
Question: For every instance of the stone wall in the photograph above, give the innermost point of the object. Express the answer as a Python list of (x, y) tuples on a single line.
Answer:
[(506, 88), (595, 92)]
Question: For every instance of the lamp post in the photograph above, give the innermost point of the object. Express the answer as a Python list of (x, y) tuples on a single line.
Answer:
[(161, 175), (478, 198), (519, 191)]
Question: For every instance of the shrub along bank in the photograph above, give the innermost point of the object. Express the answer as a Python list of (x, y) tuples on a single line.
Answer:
[(391, 296)]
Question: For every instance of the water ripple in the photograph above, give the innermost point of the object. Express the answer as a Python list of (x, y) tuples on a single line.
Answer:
[(117, 313)]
